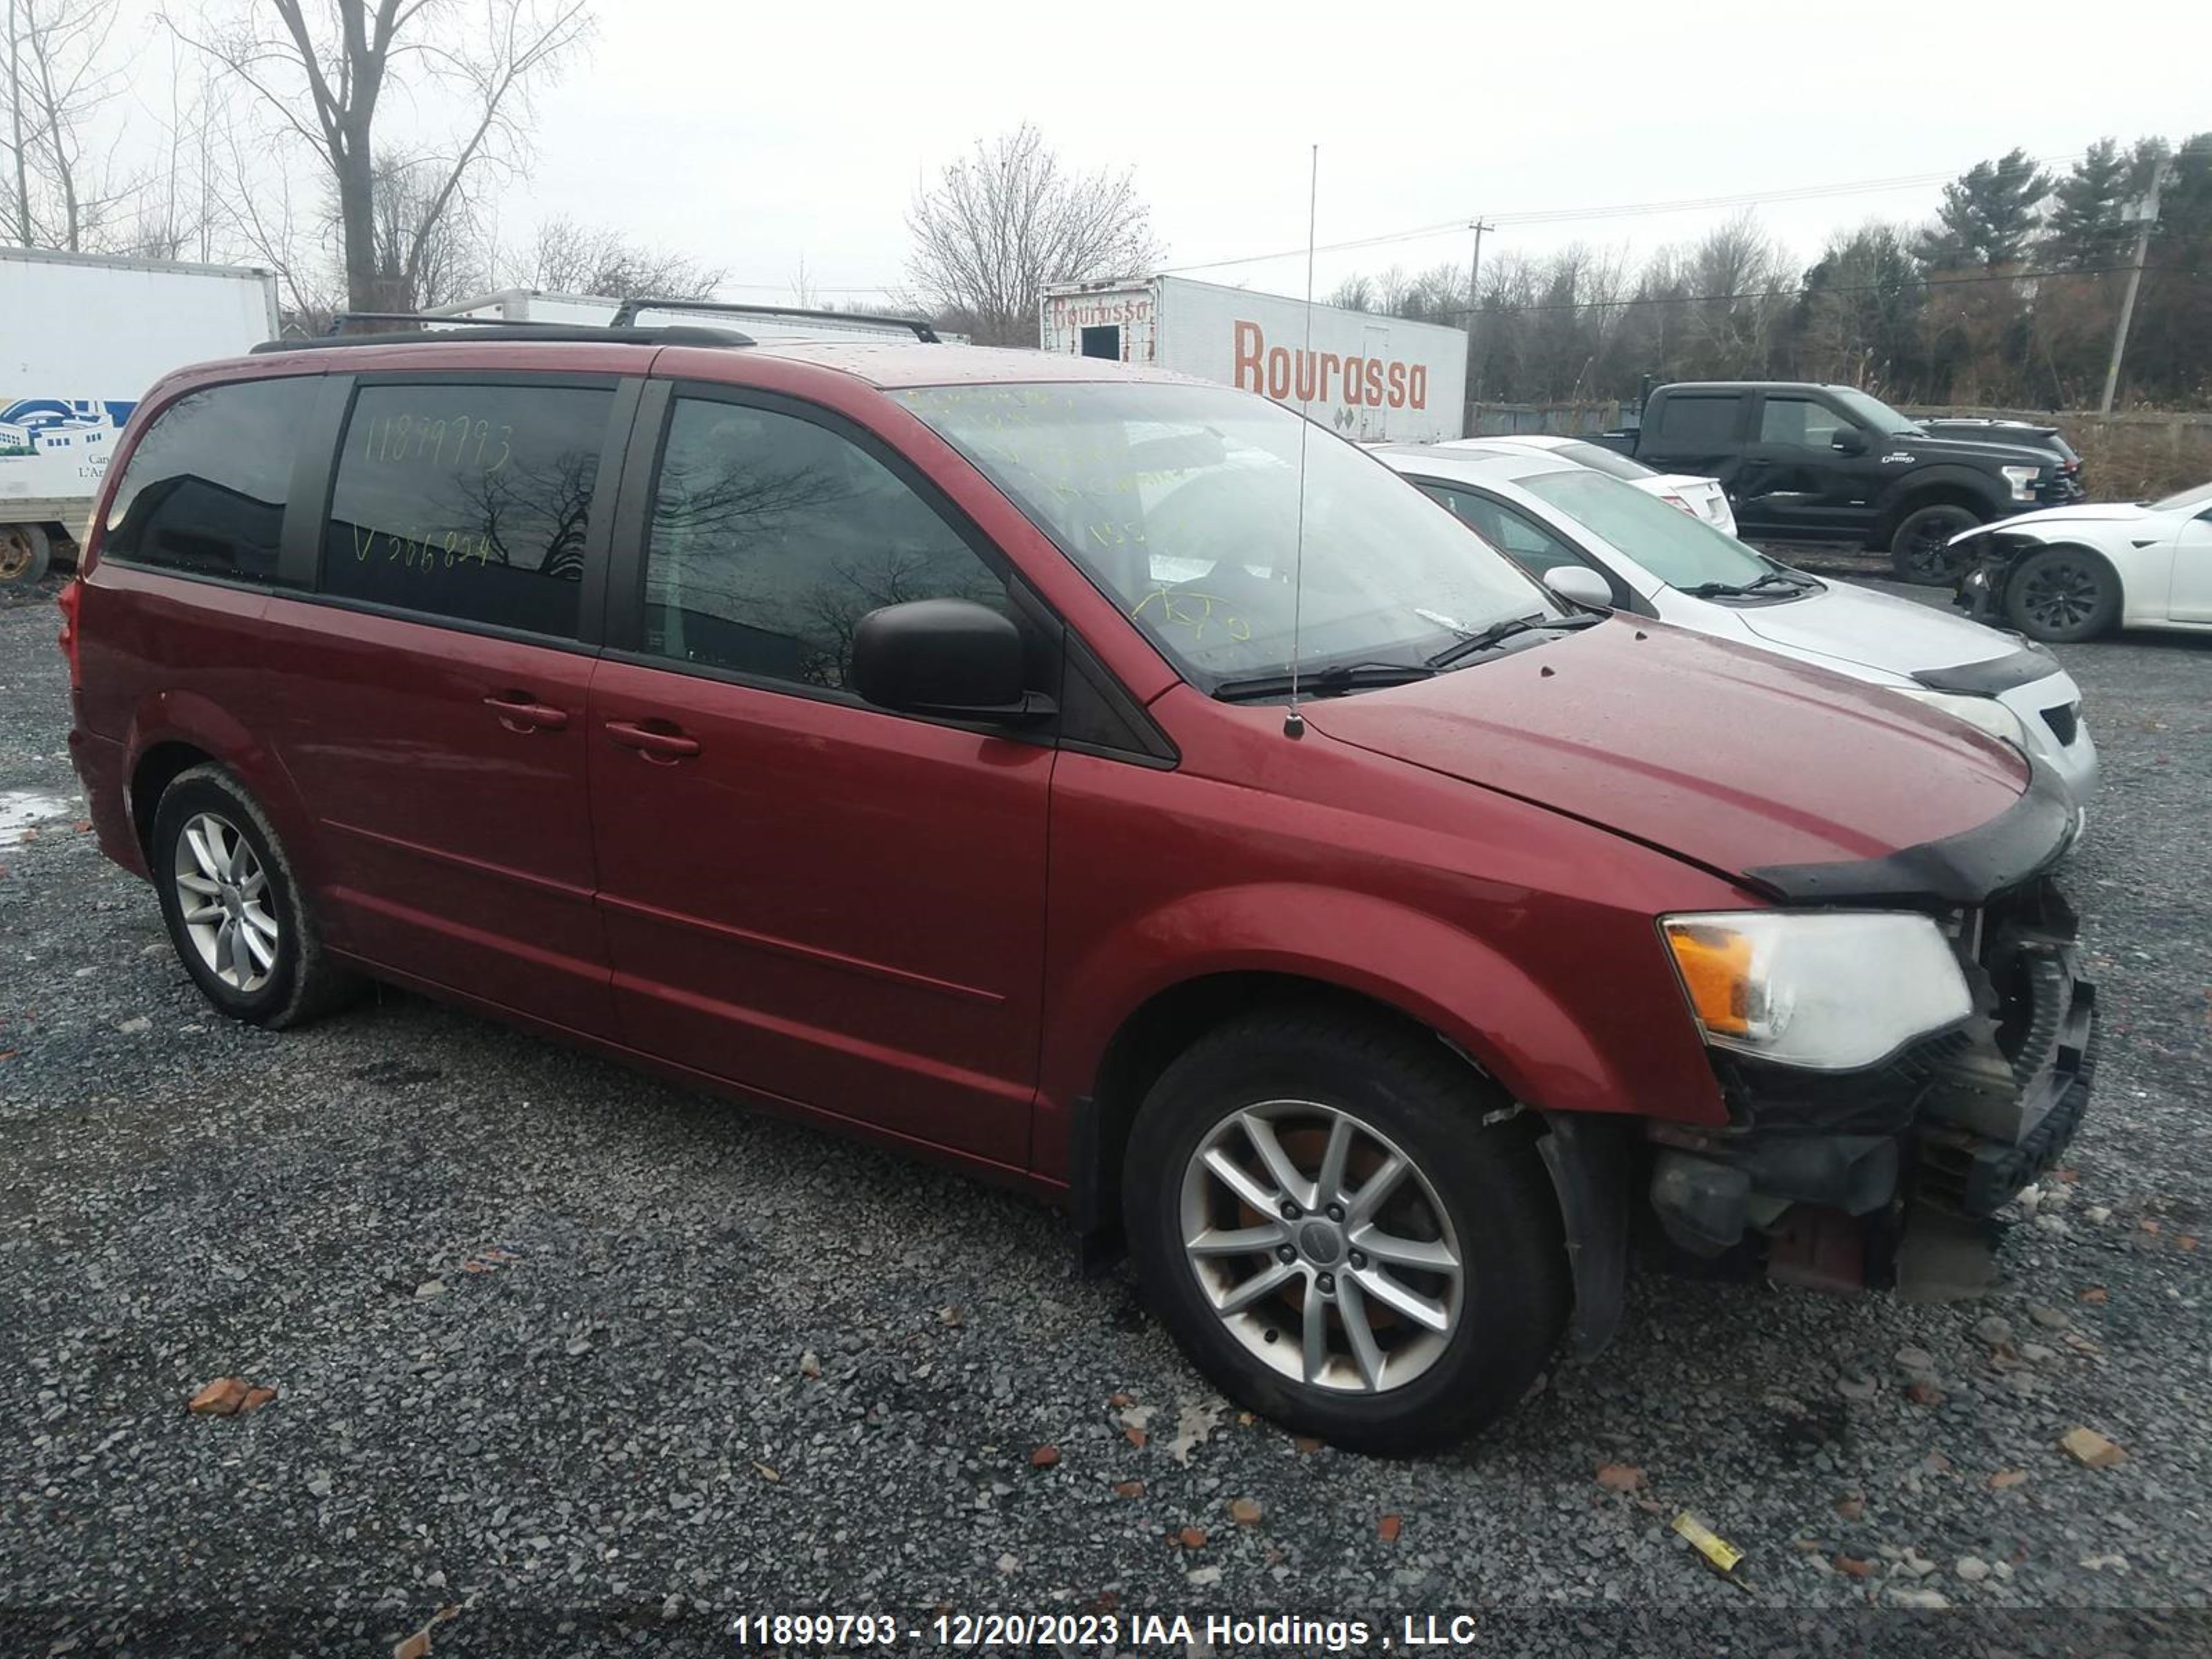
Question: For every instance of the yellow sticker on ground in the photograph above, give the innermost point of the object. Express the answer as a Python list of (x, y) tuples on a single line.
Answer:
[(1708, 1543)]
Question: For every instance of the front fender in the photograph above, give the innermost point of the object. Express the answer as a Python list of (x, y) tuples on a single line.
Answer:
[(1893, 504), (1505, 1018)]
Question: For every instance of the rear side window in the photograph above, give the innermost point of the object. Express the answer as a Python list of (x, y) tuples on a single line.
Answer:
[(772, 536), (1529, 545), (205, 491), (467, 504), (1688, 422)]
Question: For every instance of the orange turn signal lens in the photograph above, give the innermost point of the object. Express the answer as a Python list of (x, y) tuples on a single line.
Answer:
[(1716, 968)]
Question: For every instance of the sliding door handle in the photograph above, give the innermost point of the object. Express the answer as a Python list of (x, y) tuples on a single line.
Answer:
[(662, 743)]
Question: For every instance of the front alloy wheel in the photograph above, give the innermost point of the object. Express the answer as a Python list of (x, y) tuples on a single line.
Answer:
[(1345, 1227), (1321, 1246)]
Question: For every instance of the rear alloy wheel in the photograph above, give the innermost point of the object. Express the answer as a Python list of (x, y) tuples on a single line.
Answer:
[(25, 553), (1320, 1214), (233, 906), (223, 902), (2064, 594), (1920, 551)]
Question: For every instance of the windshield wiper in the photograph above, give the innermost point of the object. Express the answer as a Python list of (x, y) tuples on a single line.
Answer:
[(1786, 579), (1488, 639), (1325, 682)]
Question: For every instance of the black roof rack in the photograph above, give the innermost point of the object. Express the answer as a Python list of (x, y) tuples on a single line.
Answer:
[(497, 328), (626, 314)]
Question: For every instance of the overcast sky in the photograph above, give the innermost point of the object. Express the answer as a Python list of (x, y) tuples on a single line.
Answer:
[(757, 136)]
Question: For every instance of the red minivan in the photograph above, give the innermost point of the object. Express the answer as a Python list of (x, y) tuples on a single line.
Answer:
[(902, 735)]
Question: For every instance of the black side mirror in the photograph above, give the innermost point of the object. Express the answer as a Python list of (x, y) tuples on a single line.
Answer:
[(948, 657), (1849, 441)]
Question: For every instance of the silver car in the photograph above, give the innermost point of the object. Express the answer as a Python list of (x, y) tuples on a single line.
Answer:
[(1699, 497), (1572, 528)]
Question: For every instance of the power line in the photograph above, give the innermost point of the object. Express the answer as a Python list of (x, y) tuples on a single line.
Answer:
[(1618, 210), (1798, 292)]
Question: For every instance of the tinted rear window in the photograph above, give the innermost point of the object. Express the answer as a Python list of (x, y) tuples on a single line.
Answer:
[(205, 491), (1598, 458), (1703, 420), (467, 504)]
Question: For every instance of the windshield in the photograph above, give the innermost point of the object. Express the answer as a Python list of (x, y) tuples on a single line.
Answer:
[(1181, 503), (1679, 549), (2187, 500), (1873, 412), (1598, 459)]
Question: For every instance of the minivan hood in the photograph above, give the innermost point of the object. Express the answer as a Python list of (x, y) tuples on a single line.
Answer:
[(1722, 754), (1874, 631)]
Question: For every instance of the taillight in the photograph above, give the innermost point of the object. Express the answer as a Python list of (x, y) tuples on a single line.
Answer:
[(71, 601), (1676, 501)]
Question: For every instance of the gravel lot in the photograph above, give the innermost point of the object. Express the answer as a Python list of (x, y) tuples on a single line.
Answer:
[(595, 1362)]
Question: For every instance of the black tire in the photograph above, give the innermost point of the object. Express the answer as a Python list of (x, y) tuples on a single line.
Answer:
[(1404, 1086), (300, 982), (2062, 595), (26, 551), (1918, 549)]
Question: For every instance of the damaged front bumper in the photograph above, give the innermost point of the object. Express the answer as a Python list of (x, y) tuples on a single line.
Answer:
[(1840, 1166)]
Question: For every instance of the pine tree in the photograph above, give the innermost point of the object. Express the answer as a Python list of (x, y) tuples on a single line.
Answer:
[(2085, 230), (1989, 213)]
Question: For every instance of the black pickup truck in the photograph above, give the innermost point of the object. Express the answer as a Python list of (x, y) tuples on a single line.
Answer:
[(1809, 463)]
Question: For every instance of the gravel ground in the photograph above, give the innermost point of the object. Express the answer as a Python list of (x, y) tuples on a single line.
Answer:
[(598, 1362)]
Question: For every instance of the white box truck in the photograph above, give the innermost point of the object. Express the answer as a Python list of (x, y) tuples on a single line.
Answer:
[(82, 338), (1371, 378)]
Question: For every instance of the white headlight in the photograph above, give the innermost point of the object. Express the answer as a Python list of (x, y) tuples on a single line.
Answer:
[(1828, 990), (2022, 480), (1983, 714)]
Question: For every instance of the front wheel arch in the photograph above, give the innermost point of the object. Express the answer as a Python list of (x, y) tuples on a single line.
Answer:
[(1153, 1036)]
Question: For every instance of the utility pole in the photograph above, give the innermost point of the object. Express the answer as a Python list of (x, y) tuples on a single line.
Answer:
[(15, 114), (1474, 298), (2146, 214)]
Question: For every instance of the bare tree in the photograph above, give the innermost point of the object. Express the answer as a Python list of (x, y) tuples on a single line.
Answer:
[(1001, 225), (426, 255), (60, 73), (261, 217), (1354, 294), (565, 256), (324, 77)]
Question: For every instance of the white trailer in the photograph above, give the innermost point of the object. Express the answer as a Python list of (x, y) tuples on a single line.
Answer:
[(1372, 379), (82, 339)]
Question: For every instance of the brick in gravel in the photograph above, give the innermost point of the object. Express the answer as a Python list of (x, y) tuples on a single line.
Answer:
[(2091, 1449), (220, 1398)]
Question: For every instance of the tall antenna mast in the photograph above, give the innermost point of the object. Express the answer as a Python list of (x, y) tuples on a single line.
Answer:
[(1294, 723)]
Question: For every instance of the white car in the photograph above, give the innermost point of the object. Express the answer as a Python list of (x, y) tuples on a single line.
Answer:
[(2072, 573), (1701, 498), (1593, 539)]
